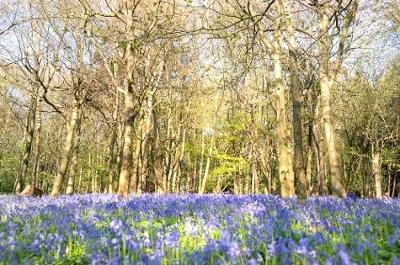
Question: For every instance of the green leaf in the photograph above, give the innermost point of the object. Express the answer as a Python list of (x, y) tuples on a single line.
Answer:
[(122, 44)]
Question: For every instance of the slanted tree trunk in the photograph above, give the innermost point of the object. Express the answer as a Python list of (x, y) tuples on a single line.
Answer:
[(209, 154), (67, 150), (74, 158)]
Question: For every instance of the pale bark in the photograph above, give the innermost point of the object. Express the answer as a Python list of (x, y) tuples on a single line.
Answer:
[(208, 160), (376, 167), (285, 168), (130, 111), (301, 187), (327, 75), (67, 150), (74, 158)]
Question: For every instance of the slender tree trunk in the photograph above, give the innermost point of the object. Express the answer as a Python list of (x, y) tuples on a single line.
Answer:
[(158, 168), (253, 152), (67, 150), (285, 168), (376, 168), (208, 163), (396, 169), (301, 182), (113, 153), (36, 152), (74, 158), (203, 144), (309, 157), (28, 137)]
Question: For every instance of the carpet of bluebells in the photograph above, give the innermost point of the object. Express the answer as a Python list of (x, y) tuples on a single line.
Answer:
[(195, 229)]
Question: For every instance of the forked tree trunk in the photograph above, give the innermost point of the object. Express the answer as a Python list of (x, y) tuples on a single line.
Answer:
[(326, 11)]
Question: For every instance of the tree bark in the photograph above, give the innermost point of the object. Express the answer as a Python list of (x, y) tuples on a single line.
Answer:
[(67, 150), (301, 182), (326, 82), (285, 168), (36, 152), (28, 137), (376, 168), (130, 111), (74, 158)]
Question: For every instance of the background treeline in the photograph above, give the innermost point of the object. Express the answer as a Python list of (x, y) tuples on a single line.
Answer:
[(237, 96)]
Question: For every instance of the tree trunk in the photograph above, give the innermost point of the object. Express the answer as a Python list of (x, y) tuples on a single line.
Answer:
[(376, 167), (158, 168), (326, 82), (112, 150), (200, 174), (208, 161), (321, 164), (28, 137), (129, 105), (67, 150), (301, 182), (36, 152), (253, 151), (74, 158), (285, 168)]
